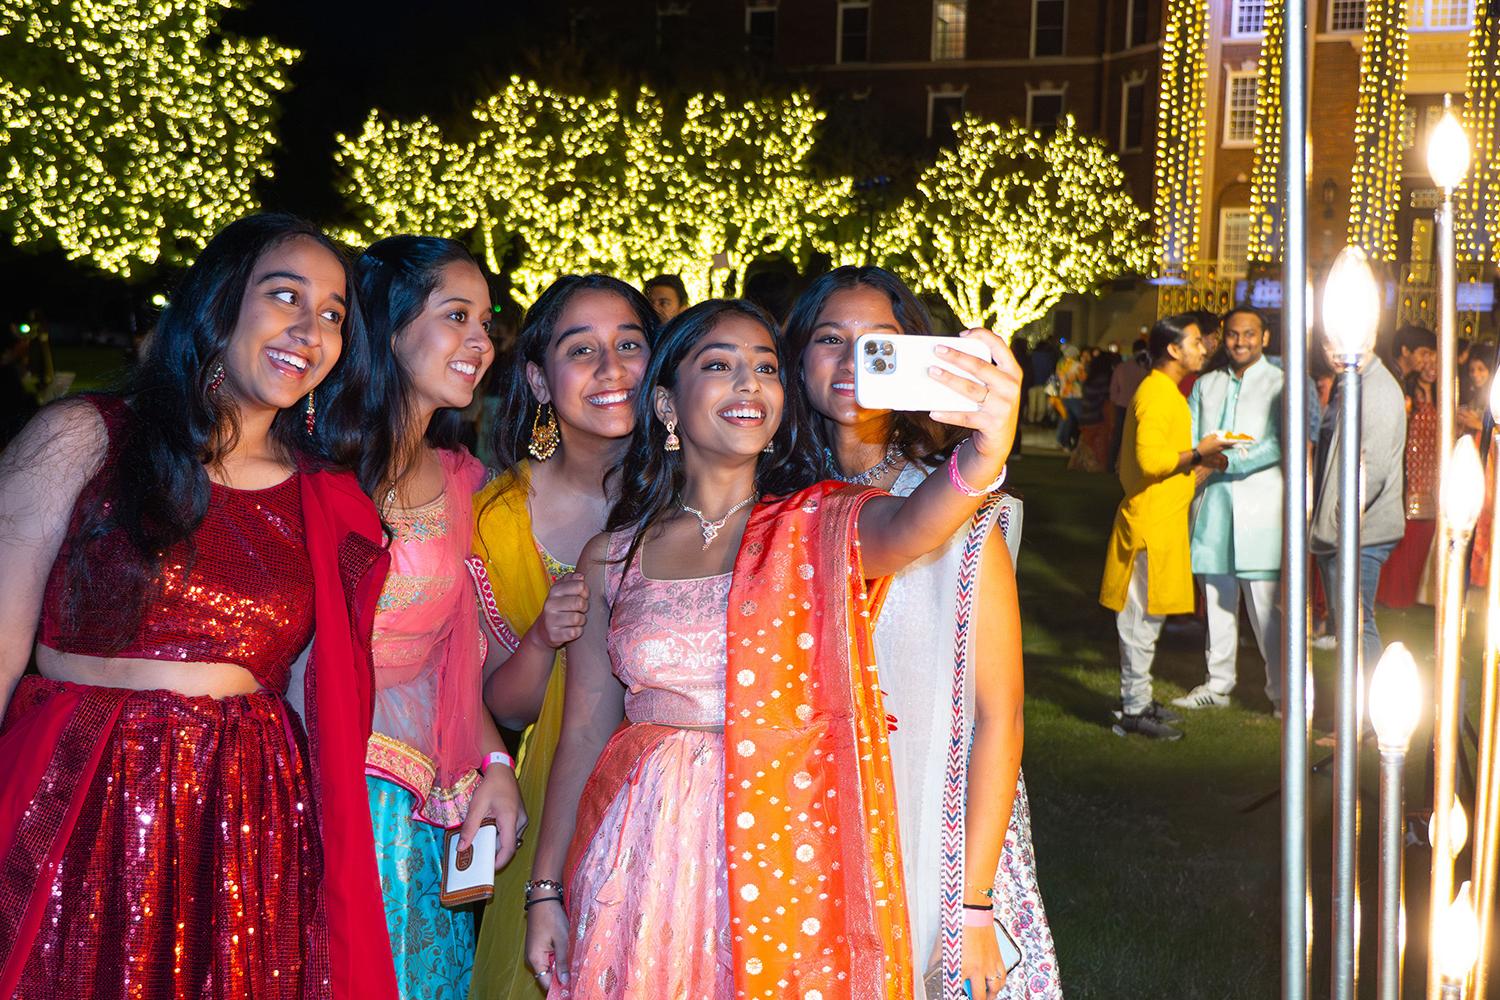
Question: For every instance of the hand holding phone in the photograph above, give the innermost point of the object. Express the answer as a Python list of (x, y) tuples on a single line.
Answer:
[(891, 372)]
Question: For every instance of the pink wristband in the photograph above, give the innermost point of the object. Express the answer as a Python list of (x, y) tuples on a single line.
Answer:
[(978, 918), (497, 757), (959, 483)]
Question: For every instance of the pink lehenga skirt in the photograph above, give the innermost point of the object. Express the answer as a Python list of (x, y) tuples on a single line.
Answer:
[(648, 895)]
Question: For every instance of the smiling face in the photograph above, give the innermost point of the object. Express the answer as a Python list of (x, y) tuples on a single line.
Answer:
[(593, 365), (828, 359), (728, 398), (1189, 351), (1245, 340), (1479, 372), (289, 332), (446, 350)]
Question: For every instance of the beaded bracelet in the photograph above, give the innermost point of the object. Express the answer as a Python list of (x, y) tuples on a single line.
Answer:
[(543, 883), (959, 483), (496, 757)]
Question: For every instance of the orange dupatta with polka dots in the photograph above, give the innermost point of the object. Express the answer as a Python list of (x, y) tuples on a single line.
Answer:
[(817, 904)]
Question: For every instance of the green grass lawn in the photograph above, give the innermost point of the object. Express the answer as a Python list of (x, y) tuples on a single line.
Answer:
[(1157, 883)]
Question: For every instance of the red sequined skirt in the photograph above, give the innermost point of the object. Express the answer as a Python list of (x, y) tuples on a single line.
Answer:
[(181, 842)]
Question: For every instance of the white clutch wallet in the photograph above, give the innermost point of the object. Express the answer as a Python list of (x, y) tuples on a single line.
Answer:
[(1010, 954), (468, 875)]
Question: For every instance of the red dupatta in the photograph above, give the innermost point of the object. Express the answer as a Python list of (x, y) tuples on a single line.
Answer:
[(349, 562), (816, 897)]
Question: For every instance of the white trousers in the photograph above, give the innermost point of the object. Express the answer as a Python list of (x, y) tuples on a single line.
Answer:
[(1222, 600), (1138, 634)]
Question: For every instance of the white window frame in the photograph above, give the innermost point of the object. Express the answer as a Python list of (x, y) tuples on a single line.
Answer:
[(1033, 93), (1050, 55), (838, 37), (1333, 10), (1230, 79), (1421, 16), (963, 51), (933, 95), (1230, 267), (1131, 6), (1126, 87), (1235, 8), (755, 7)]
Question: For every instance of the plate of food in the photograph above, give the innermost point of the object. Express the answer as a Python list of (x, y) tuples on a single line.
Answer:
[(1235, 437)]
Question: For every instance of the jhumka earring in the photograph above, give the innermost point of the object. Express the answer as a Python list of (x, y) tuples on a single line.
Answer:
[(216, 376), (544, 435), (673, 442), (770, 447), (310, 418)]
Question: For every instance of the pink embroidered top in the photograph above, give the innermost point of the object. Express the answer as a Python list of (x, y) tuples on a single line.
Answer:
[(670, 650)]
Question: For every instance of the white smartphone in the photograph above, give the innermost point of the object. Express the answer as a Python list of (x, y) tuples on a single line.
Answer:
[(890, 372)]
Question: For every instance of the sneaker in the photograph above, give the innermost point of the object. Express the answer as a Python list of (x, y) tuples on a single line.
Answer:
[(1145, 725), (1162, 713), (1202, 697), (1325, 642)]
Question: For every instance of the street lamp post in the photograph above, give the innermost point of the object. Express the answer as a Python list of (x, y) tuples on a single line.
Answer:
[(1395, 705), (1447, 162), (1351, 313)]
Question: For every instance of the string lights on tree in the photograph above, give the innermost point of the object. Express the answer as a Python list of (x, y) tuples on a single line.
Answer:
[(1009, 220), (1477, 201), (1267, 203), (1180, 133), (404, 178), (1375, 182), (131, 132)]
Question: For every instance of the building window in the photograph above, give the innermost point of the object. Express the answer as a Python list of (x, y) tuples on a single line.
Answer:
[(760, 29), (944, 107), (1247, 18), (1234, 241), (1135, 23), (1132, 116), (1346, 15), (1239, 108), (854, 32), (1441, 15), (950, 20), (1044, 108), (1048, 18)]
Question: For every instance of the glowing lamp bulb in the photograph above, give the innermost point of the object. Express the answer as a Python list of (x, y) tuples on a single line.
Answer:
[(1448, 151), (1458, 828), (1462, 492), (1458, 932), (1351, 304), (1395, 697)]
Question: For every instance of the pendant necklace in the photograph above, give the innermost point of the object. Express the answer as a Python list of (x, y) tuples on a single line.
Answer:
[(711, 529), (874, 473)]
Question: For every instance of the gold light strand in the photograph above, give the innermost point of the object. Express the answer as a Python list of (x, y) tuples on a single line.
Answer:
[(1477, 201), (1007, 221), (1180, 133), (136, 130), (1375, 182), (1267, 202), (404, 178)]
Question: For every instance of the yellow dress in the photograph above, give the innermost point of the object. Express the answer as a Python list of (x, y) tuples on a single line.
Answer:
[(521, 572), (1154, 514)]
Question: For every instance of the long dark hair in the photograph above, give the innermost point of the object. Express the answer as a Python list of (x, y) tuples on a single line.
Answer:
[(652, 477), (919, 437), (173, 428), (511, 433), (395, 276)]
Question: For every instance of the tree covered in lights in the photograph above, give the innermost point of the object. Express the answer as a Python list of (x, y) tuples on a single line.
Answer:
[(405, 178), (1008, 220), (131, 132)]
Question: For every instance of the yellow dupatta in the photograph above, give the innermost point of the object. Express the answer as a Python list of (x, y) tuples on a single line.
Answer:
[(504, 540)]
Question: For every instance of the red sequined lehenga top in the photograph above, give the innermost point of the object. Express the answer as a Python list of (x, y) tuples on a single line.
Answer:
[(132, 823)]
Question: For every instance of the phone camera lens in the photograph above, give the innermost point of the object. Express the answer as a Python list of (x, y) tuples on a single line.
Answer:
[(887, 348), (879, 364), (871, 347)]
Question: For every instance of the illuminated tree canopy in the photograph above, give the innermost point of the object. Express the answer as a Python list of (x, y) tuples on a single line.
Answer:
[(624, 183), (1008, 220), (131, 132)]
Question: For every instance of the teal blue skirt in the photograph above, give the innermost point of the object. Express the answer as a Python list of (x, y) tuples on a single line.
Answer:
[(433, 946)]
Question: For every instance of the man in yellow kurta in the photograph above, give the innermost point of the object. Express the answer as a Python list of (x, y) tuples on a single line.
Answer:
[(1147, 571)]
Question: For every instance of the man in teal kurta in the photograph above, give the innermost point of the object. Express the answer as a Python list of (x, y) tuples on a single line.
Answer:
[(1237, 514)]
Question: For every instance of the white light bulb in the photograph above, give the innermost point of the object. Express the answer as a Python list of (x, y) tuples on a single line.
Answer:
[(1395, 697), (1351, 304), (1448, 151), (1462, 492), (1458, 936)]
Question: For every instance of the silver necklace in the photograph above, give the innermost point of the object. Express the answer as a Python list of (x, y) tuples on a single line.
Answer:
[(711, 529), (874, 473)]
